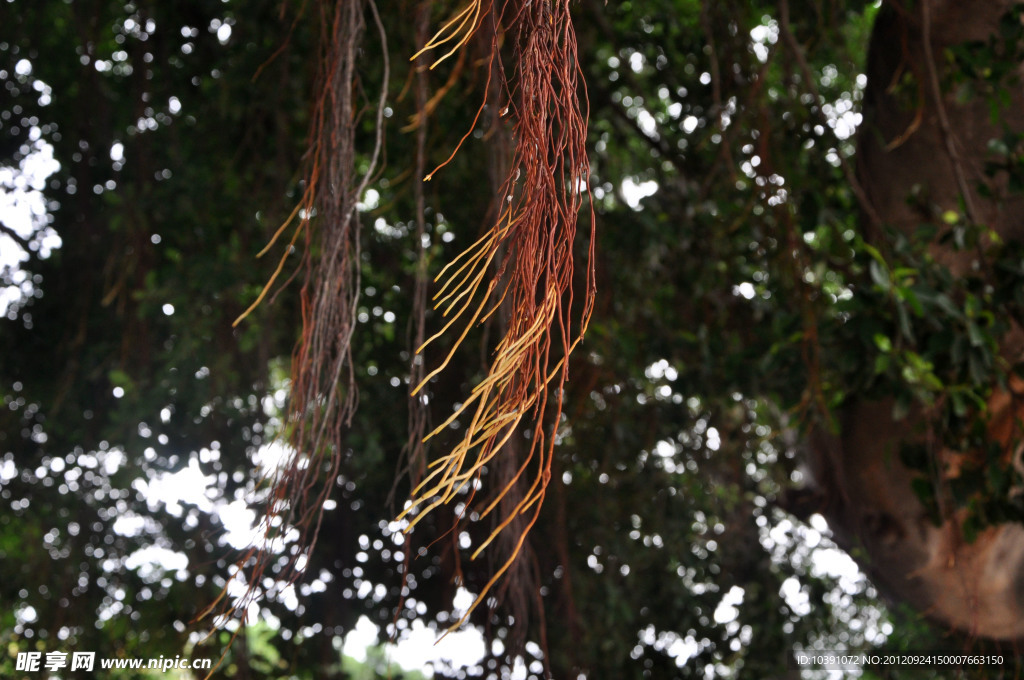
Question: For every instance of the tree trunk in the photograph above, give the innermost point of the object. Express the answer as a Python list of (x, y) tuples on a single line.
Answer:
[(920, 154)]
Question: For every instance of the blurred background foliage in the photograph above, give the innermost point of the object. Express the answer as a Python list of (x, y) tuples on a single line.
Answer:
[(729, 244)]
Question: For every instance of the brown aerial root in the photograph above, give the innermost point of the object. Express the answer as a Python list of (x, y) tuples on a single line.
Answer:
[(526, 261), (323, 391)]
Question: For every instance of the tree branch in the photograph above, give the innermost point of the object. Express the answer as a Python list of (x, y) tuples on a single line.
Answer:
[(18, 238)]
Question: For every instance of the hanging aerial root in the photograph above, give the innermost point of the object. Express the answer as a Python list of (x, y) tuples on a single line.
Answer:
[(524, 264), (304, 208), (323, 394), (460, 28)]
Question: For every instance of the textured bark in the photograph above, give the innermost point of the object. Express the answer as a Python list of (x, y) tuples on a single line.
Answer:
[(902, 149), (905, 149)]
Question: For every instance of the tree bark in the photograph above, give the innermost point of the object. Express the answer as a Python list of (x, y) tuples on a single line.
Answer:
[(921, 153)]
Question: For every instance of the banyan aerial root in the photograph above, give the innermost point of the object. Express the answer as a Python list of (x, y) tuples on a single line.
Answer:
[(523, 264), (323, 395)]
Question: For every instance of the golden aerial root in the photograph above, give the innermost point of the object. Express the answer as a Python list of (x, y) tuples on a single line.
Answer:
[(460, 28), (525, 261)]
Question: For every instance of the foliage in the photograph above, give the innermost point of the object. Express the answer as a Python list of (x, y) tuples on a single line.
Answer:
[(738, 302)]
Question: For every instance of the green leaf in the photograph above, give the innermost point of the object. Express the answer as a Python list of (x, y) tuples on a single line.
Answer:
[(882, 363), (975, 334), (904, 320), (959, 403), (910, 297), (879, 275), (944, 303)]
